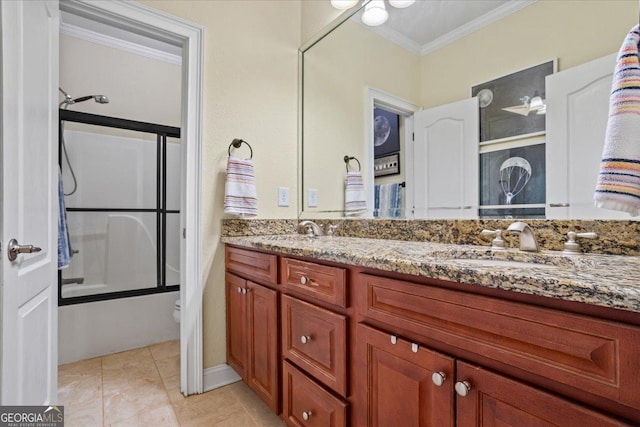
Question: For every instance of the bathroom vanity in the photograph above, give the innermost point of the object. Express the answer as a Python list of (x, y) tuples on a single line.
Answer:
[(338, 331)]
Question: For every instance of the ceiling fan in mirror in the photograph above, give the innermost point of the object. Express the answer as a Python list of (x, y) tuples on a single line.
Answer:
[(375, 12), (529, 104)]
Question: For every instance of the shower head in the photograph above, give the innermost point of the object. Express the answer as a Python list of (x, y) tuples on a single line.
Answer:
[(100, 99), (68, 99)]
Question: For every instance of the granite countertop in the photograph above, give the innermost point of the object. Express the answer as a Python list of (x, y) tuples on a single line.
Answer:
[(603, 280)]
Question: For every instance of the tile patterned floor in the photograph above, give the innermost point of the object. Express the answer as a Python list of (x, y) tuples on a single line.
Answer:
[(141, 387)]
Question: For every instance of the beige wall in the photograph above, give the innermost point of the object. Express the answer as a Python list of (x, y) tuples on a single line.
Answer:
[(338, 71), (316, 14), (250, 92), (574, 32), (138, 88)]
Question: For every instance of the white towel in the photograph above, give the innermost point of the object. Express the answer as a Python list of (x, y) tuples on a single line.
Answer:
[(354, 197), (240, 197), (618, 186)]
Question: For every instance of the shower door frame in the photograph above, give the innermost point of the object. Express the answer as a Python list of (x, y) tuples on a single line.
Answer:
[(162, 132), (189, 35)]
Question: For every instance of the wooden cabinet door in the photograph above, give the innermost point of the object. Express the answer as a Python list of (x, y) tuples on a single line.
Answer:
[(262, 340), (396, 389), (236, 324), (494, 400)]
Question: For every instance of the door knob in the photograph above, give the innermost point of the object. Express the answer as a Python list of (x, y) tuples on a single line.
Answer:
[(438, 378), (14, 249), (463, 388)]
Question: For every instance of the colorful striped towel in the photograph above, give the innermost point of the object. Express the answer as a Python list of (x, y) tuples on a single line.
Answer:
[(388, 202), (354, 198), (618, 186), (240, 188)]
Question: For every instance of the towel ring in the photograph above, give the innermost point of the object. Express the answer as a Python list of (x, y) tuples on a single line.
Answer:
[(236, 143), (347, 159)]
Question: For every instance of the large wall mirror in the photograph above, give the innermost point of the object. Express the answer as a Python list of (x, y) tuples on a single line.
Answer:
[(353, 69)]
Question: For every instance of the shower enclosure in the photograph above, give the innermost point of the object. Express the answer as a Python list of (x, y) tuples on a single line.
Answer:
[(123, 217)]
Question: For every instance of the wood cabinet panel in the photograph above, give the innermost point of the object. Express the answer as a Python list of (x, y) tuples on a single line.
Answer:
[(303, 396), (586, 354), (316, 340), (399, 388), (322, 282), (236, 324), (494, 400), (263, 376), (252, 265)]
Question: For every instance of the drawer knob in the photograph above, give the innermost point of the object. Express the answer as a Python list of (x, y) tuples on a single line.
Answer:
[(394, 339), (306, 415), (438, 378), (414, 347), (304, 280), (463, 388), (305, 339), (239, 290)]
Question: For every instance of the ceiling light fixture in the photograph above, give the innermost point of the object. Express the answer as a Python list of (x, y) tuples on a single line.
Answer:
[(375, 12), (343, 4)]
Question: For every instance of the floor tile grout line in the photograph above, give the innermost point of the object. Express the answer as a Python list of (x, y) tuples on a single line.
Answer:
[(164, 387)]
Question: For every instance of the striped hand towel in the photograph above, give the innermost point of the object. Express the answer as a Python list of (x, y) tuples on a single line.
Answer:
[(240, 188), (354, 198), (618, 186)]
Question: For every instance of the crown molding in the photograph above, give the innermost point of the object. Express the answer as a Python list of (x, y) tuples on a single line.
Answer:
[(475, 25), (116, 43)]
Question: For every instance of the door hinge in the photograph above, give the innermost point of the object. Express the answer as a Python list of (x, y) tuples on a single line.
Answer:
[(413, 136), (184, 233)]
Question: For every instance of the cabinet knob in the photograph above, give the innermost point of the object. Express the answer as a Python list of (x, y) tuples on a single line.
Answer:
[(414, 347), (304, 280), (463, 388), (239, 290), (438, 378), (306, 415), (305, 339)]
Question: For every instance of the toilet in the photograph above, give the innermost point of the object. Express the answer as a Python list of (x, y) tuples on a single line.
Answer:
[(176, 311)]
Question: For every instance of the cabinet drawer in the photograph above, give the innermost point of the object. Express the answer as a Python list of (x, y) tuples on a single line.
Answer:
[(567, 352), (303, 398), (315, 339), (252, 265), (318, 281)]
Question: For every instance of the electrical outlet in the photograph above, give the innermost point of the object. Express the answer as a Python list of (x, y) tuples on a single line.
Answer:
[(312, 200), (283, 196)]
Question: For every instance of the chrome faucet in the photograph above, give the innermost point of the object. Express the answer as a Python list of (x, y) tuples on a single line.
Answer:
[(528, 241), (312, 229)]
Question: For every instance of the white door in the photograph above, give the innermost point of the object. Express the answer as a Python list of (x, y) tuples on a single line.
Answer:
[(445, 166), (29, 201), (577, 112)]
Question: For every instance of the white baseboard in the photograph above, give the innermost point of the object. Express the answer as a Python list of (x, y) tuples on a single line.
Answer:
[(218, 376)]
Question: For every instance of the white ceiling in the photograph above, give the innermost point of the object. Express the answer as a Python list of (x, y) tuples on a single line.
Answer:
[(430, 24)]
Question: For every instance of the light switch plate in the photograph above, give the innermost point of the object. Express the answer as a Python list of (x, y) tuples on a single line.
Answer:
[(283, 196), (312, 200)]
